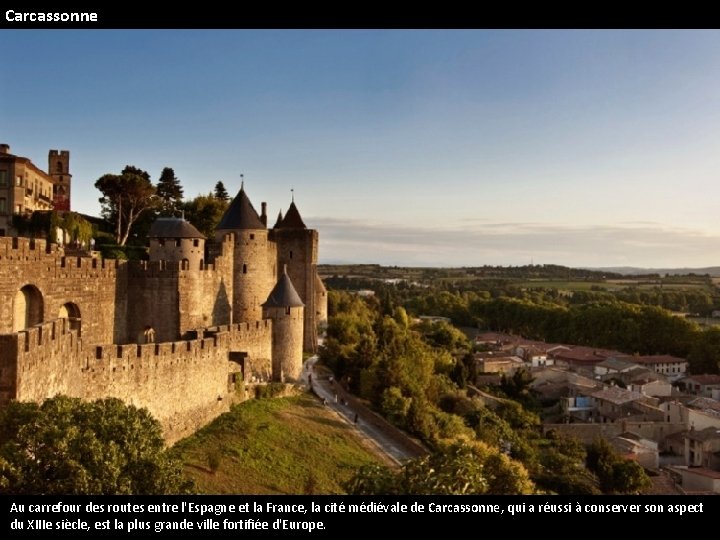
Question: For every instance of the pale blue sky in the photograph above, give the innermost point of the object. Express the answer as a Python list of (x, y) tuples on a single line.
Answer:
[(585, 148)]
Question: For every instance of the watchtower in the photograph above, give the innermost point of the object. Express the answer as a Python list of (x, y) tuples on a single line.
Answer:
[(59, 170)]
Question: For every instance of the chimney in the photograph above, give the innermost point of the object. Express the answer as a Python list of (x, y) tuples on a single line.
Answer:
[(4, 148), (263, 213)]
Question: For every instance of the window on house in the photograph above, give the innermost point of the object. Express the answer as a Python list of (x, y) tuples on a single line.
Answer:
[(161, 242), (291, 254), (287, 310), (18, 180), (252, 236), (2, 232), (18, 208), (244, 268), (178, 242), (3, 205), (3, 178), (196, 242)]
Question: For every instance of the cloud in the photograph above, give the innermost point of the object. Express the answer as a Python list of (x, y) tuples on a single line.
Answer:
[(477, 243)]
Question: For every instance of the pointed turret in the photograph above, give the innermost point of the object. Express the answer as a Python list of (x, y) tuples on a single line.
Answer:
[(253, 258), (297, 248), (240, 215), (279, 220), (284, 293), (292, 219), (286, 310)]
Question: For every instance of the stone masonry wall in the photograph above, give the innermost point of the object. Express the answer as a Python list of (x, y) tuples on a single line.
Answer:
[(287, 345), (88, 283), (205, 296), (184, 384), (298, 249), (254, 278), (153, 300)]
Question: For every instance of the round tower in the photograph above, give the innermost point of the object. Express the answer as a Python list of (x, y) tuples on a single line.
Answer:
[(321, 303), (286, 311), (174, 239), (254, 258)]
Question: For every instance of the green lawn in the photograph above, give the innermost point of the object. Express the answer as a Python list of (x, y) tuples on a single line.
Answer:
[(288, 445)]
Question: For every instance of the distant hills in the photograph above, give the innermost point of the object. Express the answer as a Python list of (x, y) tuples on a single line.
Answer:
[(635, 271), (536, 271)]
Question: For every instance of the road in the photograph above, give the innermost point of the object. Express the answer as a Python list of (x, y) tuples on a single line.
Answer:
[(387, 438)]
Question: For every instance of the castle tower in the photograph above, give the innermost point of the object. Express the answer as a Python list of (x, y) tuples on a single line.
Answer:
[(286, 310), (297, 247), (59, 169), (321, 303), (254, 258), (174, 239)]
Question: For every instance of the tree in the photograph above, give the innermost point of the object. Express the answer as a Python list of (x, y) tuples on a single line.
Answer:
[(458, 468), (67, 446), (616, 475), (517, 385), (205, 212), (220, 192), (562, 467), (77, 229), (704, 355), (169, 192), (125, 197)]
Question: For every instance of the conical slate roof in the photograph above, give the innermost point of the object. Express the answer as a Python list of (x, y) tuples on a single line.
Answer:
[(292, 219), (172, 227), (279, 220), (241, 214), (284, 294)]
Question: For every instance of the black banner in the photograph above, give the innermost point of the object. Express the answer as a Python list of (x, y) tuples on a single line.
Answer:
[(304, 15), (224, 516)]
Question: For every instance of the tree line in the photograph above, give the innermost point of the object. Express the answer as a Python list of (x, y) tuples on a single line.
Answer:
[(610, 323), (130, 202)]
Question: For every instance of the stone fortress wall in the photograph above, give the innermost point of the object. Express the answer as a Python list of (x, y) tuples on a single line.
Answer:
[(78, 325)]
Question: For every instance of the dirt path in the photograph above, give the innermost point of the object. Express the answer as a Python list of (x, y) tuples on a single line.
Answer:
[(386, 437)]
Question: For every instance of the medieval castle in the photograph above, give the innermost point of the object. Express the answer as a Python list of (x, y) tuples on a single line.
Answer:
[(177, 333)]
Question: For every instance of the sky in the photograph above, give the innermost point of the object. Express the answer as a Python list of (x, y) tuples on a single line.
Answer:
[(585, 148)]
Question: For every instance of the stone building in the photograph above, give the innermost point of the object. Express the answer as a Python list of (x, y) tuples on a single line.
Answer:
[(176, 333), (25, 188)]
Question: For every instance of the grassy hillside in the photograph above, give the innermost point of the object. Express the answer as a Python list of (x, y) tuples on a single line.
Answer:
[(290, 445)]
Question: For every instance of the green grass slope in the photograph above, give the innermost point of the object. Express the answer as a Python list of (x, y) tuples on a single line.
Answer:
[(291, 445)]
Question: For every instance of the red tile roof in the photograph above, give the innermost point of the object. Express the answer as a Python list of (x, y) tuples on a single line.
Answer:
[(704, 379)]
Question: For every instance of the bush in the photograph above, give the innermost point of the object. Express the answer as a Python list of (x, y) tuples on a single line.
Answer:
[(269, 390), (67, 446)]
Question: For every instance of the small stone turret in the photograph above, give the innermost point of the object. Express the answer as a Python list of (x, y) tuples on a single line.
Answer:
[(174, 239), (286, 310)]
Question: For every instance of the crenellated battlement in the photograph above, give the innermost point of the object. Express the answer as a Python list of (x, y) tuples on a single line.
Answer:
[(19, 248), (89, 263), (160, 269), (174, 351), (170, 269), (52, 334)]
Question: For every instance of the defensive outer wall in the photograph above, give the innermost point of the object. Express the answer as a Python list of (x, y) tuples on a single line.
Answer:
[(74, 326)]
